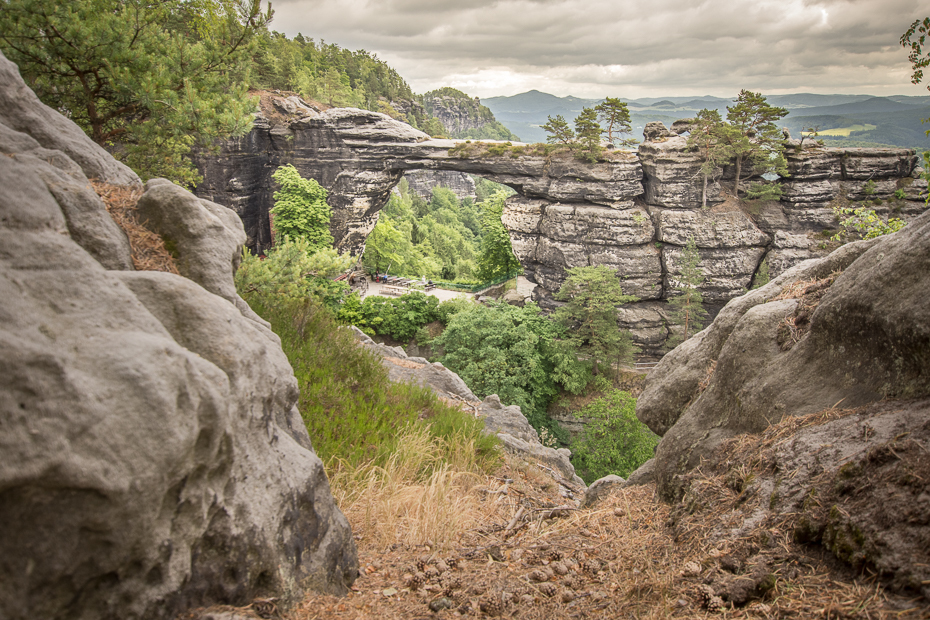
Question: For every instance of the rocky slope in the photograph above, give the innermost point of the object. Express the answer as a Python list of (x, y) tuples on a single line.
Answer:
[(506, 421), (633, 211), (844, 331), (153, 455)]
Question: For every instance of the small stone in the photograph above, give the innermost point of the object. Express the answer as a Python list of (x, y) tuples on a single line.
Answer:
[(441, 566), (441, 603), (389, 591)]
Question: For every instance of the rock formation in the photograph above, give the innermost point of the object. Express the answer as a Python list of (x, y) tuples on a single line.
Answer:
[(153, 455), (422, 183), (633, 211), (801, 344)]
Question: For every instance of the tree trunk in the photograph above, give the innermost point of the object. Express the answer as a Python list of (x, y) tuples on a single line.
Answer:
[(704, 193), (739, 165)]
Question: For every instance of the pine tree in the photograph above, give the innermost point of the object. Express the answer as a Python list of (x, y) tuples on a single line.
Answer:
[(688, 314), (616, 115), (752, 138), (705, 137), (590, 314), (156, 78), (588, 135), (558, 130)]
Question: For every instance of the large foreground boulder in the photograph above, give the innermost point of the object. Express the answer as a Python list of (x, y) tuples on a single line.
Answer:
[(153, 455), (852, 328)]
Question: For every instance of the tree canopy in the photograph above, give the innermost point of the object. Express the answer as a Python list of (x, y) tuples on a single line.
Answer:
[(300, 209), (687, 309), (592, 295), (752, 138), (147, 79)]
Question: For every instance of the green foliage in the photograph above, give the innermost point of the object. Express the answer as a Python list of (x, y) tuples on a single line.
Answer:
[(513, 352), (762, 276), (862, 222), (327, 73), (469, 108), (687, 312), (496, 259), (588, 135), (899, 194), (614, 441), (558, 131), (764, 191), (705, 138), (300, 209), (292, 269), (590, 314), (616, 115), (915, 38), (148, 80), (751, 137), (398, 317), (353, 413)]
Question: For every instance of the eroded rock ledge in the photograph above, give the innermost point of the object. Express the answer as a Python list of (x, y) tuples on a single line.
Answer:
[(633, 212)]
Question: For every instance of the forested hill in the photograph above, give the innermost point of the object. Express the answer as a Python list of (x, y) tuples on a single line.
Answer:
[(842, 120), (340, 77)]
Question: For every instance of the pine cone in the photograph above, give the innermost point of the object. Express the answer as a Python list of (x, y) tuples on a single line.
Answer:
[(691, 569), (431, 573), (452, 563), (555, 555), (559, 568), (538, 575), (549, 589), (491, 605), (704, 593), (715, 603), (416, 580)]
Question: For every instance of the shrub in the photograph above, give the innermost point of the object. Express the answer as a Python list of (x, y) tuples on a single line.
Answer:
[(865, 223), (614, 441), (293, 270), (300, 209)]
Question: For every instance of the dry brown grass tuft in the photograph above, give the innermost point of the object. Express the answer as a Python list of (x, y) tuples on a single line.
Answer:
[(148, 249)]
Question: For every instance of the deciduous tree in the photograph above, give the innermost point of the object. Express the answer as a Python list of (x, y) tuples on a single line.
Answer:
[(496, 259), (300, 209)]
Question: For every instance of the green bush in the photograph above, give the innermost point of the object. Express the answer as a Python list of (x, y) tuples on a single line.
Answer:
[(864, 223), (515, 353), (293, 270), (353, 413), (614, 441)]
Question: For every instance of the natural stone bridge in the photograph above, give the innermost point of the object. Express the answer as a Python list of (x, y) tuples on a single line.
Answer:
[(633, 212)]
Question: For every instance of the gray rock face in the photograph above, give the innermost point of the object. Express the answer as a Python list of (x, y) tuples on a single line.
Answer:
[(634, 212), (154, 458), (867, 339), (422, 183)]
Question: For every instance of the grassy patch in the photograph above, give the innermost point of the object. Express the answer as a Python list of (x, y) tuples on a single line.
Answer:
[(355, 416)]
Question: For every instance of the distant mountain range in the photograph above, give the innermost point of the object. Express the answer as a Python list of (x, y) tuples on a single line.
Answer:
[(853, 120)]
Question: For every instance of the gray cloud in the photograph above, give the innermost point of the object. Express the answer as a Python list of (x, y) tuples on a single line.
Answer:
[(623, 47)]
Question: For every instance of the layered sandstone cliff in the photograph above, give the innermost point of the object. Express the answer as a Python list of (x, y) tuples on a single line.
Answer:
[(631, 211)]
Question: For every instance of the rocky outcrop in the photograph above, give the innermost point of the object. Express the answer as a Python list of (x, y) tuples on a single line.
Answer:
[(153, 455), (422, 182), (506, 421), (631, 211), (794, 349)]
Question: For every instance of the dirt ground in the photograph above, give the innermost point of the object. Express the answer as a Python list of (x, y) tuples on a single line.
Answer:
[(629, 556)]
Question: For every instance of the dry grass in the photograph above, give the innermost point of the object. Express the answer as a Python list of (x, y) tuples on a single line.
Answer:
[(425, 493), (148, 249), (623, 558)]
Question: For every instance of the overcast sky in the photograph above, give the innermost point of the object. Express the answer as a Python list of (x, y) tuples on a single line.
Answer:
[(624, 48)]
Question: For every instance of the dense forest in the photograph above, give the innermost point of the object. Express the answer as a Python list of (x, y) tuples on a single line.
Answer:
[(443, 238)]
